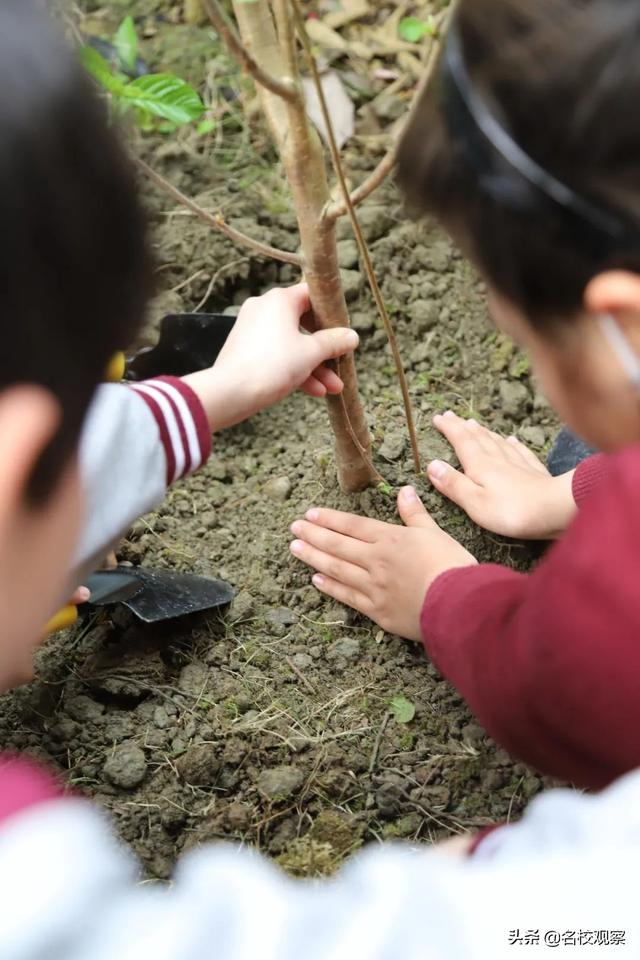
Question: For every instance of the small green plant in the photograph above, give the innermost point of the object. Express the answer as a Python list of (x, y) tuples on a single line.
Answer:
[(413, 30), (159, 101), (402, 709)]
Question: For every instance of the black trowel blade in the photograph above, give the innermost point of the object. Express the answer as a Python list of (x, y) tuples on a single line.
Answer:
[(155, 595), (188, 342)]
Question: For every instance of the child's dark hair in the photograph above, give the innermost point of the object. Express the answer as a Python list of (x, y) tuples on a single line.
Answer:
[(562, 78), (74, 263)]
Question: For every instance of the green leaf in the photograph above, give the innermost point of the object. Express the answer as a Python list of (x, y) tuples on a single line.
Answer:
[(166, 96), (206, 126), (414, 30), (126, 42), (101, 71), (402, 709)]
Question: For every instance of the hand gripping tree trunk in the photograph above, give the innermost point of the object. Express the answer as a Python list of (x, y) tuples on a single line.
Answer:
[(273, 54)]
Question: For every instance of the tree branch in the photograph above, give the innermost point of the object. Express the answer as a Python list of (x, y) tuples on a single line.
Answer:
[(217, 221), (362, 243), (284, 87), (388, 162)]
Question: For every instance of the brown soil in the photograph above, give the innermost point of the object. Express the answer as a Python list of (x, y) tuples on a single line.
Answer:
[(270, 724)]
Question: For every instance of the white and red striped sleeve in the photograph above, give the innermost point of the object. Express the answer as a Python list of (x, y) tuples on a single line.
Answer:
[(182, 424), (136, 441)]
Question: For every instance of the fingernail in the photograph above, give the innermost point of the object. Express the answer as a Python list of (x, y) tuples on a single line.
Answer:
[(352, 339), (83, 594), (296, 528), (449, 413), (313, 515), (317, 580), (408, 493), (437, 469), (296, 546)]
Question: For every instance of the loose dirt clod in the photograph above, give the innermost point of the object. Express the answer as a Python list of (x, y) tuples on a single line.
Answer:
[(126, 767)]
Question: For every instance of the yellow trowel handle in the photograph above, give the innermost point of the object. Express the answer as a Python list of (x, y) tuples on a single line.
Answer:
[(62, 619), (115, 368)]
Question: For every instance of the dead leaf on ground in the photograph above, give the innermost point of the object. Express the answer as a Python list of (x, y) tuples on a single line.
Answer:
[(324, 36), (339, 104), (351, 10)]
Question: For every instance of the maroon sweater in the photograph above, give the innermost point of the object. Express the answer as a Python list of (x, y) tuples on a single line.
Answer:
[(550, 661)]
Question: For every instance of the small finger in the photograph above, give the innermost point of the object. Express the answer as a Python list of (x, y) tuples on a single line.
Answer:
[(347, 573), (463, 440), (453, 484), (330, 344), (329, 379), (343, 594), (81, 595), (413, 512), (330, 542), (351, 525), (313, 388)]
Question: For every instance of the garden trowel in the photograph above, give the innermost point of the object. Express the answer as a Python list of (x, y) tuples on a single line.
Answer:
[(151, 595), (188, 342)]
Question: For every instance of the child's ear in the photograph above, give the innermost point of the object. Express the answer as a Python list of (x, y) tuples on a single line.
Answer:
[(616, 292), (29, 418)]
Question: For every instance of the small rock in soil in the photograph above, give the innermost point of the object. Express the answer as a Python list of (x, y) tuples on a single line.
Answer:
[(375, 221), (362, 322), (347, 254), (389, 799), (278, 488), (238, 815), (161, 718), (421, 353), (199, 765), (438, 257), (348, 647), (514, 397), (534, 436), (393, 447), (84, 709), (242, 608), (193, 679), (302, 661), (280, 619), (423, 315), (352, 284), (126, 767), (280, 782)]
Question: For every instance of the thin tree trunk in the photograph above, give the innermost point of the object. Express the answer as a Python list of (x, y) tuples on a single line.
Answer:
[(303, 159)]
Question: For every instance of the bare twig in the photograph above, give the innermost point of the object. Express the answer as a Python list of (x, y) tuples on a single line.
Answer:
[(281, 87), (217, 221), (378, 174), (378, 741), (362, 244), (300, 675)]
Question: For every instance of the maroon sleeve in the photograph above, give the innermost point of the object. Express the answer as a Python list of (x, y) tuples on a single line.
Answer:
[(588, 476), (550, 662)]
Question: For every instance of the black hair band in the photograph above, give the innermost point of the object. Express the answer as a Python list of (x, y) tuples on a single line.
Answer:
[(522, 184)]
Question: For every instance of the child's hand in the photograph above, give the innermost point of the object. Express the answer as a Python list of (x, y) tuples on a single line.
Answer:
[(504, 487), (267, 356), (381, 569)]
